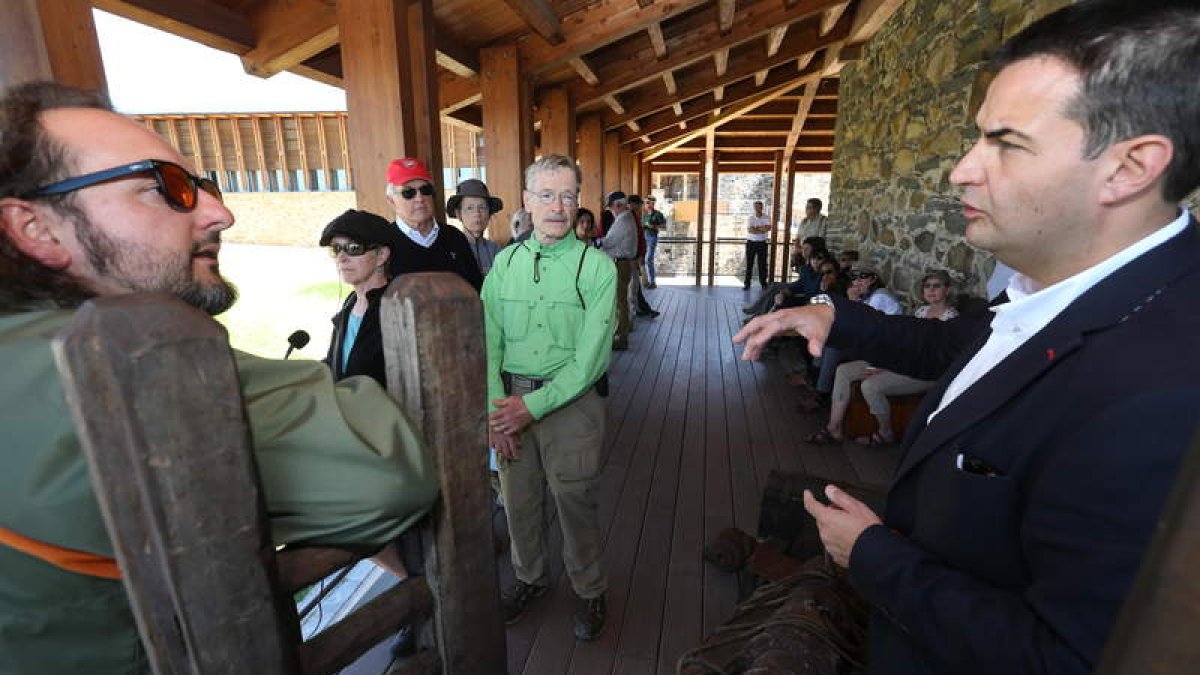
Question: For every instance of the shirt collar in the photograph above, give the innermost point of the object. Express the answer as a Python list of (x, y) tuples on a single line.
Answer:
[(552, 249), (415, 234), (1032, 307)]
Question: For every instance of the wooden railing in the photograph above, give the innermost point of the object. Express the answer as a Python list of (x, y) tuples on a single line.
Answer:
[(155, 395)]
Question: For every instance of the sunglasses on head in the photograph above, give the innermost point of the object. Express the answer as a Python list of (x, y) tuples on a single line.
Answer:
[(179, 188), (410, 192), (353, 249)]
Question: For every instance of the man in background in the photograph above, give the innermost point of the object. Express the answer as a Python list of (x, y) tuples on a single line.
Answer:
[(758, 229)]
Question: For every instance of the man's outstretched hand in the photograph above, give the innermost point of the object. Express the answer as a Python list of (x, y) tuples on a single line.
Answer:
[(813, 322)]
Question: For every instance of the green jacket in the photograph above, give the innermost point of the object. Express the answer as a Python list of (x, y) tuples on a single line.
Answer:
[(339, 464)]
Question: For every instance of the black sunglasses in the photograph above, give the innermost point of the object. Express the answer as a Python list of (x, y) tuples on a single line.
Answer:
[(353, 249), (410, 192), (180, 188)]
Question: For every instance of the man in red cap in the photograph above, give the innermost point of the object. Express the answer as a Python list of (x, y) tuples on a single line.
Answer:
[(426, 245)]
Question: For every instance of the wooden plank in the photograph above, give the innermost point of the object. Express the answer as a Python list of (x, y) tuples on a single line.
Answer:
[(713, 191), (264, 175), (775, 191), (287, 33), (787, 217), (218, 152), (612, 165), (433, 327), (286, 181), (323, 149), (540, 17), (584, 70), (590, 152), (557, 114), (239, 150), (344, 139), (702, 181), (656, 40), (132, 366), (725, 13)]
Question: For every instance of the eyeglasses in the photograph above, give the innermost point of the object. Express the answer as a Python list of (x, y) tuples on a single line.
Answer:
[(547, 197), (353, 249), (934, 285), (179, 188), (410, 192)]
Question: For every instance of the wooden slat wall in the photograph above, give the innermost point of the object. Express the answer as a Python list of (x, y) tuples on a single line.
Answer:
[(239, 146)]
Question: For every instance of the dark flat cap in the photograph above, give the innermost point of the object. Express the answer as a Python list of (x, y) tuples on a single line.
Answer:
[(361, 226)]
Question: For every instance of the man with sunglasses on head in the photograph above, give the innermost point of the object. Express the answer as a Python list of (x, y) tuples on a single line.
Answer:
[(1035, 471), (425, 245), (93, 204), (548, 305)]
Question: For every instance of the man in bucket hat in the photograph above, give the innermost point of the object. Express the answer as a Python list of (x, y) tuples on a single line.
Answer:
[(426, 246)]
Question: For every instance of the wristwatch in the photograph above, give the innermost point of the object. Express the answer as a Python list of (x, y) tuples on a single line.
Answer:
[(822, 299)]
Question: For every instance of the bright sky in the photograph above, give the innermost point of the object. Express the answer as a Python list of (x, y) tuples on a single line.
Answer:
[(150, 71)]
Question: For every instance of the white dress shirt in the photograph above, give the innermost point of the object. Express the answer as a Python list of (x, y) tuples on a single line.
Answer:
[(758, 221), (1030, 308), (424, 240)]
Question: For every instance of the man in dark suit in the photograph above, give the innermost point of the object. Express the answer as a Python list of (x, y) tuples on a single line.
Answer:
[(1035, 472)]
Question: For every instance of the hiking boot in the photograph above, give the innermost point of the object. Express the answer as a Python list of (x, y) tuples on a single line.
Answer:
[(516, 599), (589, 618)]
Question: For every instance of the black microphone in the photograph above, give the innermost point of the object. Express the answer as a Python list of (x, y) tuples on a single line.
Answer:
[(297, 340)]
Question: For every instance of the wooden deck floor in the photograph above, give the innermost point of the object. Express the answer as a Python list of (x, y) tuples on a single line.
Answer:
[(692, 434)]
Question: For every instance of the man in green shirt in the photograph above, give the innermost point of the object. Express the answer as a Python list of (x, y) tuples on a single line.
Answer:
[(94, 204), (549, 305)]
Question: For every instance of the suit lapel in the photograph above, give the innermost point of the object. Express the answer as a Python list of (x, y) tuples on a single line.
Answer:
[(1114, 300)]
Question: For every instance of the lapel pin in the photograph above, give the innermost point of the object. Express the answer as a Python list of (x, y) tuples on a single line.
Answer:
[(1049, 354)]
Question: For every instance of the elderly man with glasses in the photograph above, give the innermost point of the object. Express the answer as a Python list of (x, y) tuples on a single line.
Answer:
[(548, 306), (427, 246), (92, 204)]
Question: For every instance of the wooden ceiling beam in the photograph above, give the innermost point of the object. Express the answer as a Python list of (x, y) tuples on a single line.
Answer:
[(726, 9), (721, 61), (669, 83), (541, 19), (743, 107), (205, 21), (458, 59), (804, 41), (614, 105), (584, 70), (287, 33), (775, 39), (456, 92), (753, 22), (599, 23), (831, 16), (870, 16), (656, 40), (801, 118)]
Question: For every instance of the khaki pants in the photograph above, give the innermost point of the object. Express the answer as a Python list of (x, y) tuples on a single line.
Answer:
[(623, 279), (561, 450)]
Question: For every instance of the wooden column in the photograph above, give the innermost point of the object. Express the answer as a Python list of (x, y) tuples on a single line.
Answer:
[(787, 218), (774, 247), (507, 131), (625, 166), (712, 207), (50, 40), (391, 93), (702, 182), (556, 110), (590, 153), (612, 162), (644, 179)]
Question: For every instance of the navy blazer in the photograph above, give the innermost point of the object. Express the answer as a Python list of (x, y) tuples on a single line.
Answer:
[(1017, 518)]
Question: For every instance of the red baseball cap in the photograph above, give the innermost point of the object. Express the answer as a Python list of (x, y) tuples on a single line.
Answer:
[(402, 170)]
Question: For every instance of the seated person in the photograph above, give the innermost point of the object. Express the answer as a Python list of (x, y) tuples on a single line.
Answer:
[(360, 245), (877, 383), (807, 282), (93, 204), (847, 260)]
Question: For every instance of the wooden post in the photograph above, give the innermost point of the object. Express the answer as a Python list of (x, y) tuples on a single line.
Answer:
[(133, 367), (612, 163), (507, 131), (702, 181), (773, 247), (590, 154), (391, 93), (50, 40), (625, 166), (556, 110), (433, 346), (712, 225), (787, 218)]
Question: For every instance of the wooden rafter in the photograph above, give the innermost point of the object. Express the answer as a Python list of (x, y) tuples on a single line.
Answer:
[(721, 61), (754, 21), (802, 110), (614, 105), (540, 17), (669, 83), (287, 33), (656, 40), (831, 16), (775, 39), (584, 70), (725, 13), (804, 41)]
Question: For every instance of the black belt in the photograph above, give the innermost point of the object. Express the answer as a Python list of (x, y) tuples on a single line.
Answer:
[(512, 380)]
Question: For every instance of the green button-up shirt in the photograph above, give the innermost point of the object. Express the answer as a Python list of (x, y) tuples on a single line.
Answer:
[(549, 314)]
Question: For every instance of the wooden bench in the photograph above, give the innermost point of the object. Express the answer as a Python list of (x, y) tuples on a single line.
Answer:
[(179, 491), (860, 422)]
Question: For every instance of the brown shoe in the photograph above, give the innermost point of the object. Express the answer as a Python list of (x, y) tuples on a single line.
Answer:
[(589, 619), (517, 598)]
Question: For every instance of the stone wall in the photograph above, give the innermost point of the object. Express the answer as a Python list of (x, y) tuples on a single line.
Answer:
[(284, 218), (905, 116)]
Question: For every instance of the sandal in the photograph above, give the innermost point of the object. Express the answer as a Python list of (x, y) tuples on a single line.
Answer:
[(875, 440), (823, 437)]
